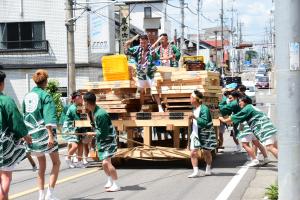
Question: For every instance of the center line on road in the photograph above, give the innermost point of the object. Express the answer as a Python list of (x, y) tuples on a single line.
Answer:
[(224, 195), (14, 196)]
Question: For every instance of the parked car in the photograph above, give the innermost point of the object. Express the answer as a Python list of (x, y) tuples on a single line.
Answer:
[(262, 82), (265, 66), (258, 76), (228, 80), (250, 91), (262, 70)]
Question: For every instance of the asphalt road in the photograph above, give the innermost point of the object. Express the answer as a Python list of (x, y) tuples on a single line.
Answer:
[(151, 180)]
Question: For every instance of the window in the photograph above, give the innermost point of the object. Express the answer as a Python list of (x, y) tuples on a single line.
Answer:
[(23, 36), (147, 12)]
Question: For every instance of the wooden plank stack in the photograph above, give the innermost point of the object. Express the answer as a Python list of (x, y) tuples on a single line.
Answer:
[(115, 96), (176, 85)]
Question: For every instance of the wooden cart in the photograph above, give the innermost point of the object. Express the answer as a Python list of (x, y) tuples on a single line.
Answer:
[(136, 138)]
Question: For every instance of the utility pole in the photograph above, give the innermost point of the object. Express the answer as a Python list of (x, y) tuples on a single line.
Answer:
[(288, 94), (175, 37), (70, 47), (222, 33), (267, 43), (216, 47), (182, 28), (232, 50), (165, 15), (222, 38), (198, 27), (241, 34), (238, 43)]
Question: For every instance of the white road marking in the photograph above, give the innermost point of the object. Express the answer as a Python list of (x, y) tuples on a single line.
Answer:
[(224, 195)]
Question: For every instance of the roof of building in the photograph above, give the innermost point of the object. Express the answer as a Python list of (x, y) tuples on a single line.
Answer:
[(218, 44)]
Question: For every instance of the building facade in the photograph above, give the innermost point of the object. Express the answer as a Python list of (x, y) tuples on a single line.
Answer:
[(150, 15)]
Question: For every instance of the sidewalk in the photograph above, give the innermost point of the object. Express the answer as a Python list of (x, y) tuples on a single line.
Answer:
[(265, 176)]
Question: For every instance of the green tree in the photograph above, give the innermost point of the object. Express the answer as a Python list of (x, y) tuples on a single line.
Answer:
[(52, 89), (250, 54)]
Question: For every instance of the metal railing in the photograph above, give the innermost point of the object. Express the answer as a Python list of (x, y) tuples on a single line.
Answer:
[(24, 46)]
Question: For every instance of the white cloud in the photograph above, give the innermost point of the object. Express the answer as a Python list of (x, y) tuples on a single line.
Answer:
[(254, 14)]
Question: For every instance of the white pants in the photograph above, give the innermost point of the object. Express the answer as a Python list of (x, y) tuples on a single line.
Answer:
[(248, 138), (145, 83), (193, 141), (271, 140)]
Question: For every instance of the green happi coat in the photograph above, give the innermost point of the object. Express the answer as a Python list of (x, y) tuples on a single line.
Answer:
[(259, 123), (145, 70), (63, 115), (12, 130), (105, 134), (39, 111), (172, 50), (211, 66), (233, 108), (229, 108), (206, 134), (68, 126)]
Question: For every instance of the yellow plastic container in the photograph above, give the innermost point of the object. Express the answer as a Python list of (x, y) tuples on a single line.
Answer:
[(193, 58), (115, 68)]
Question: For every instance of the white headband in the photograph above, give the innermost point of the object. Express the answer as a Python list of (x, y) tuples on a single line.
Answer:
[(195, 96)]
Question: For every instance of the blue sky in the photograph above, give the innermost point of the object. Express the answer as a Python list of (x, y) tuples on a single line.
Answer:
[(254, 14)]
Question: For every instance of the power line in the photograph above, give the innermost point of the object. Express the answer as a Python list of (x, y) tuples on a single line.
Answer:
[(99, 14), (191, 10), (170, 16), (212, 21), (173, 6), (201, 13), (104, 16)]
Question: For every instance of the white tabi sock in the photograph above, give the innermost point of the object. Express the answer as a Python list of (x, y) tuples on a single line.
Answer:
[(50, 191), (196, 170), (208, 168), (195, 173), (41, 194), (114, 187), (109, 182), (114, 184)]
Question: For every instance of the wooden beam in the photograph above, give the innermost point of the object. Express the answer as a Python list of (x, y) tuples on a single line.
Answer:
[(147, 136), (176, 135), (129, 136), (144, 123)]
